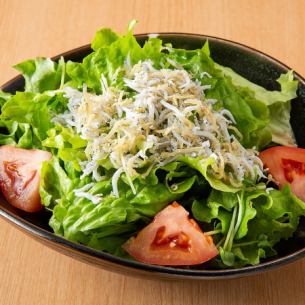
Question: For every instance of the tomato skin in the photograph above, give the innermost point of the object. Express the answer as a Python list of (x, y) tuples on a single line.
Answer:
[(20, 176), (287, 166), (172, 239)]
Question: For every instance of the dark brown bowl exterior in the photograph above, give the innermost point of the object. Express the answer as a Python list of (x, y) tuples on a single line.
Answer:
[(250, 63)]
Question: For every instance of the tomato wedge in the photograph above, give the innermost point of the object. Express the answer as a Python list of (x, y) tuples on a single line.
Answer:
[(20, 176), (172, 239), (286, 165)]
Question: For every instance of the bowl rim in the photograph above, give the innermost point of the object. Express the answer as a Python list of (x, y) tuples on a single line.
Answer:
[(44, 235)]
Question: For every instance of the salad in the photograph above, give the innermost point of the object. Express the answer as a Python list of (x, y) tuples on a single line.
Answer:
[(154, 153)]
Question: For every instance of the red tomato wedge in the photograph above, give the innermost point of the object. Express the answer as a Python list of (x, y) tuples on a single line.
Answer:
[(286, 165), (20, 176), (172, 239)]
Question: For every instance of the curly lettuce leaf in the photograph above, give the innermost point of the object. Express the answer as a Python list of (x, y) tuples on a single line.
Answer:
[(108, 59), (279, 125), (278, 103), (251, 222), (80, 220), (36, 110), (55, 183), (69, 146), (251, 115), (18, 134), (202, 165), (4, 96), (112, 55), (103, 38), (27, 107), (41, 74), (286, 81)]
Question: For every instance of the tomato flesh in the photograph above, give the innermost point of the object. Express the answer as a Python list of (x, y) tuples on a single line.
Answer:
[(287, 166), (179, 240), (17, 179), (172, 239), (20, 176), (292, 168)]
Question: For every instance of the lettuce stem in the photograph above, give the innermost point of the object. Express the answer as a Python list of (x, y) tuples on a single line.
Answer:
[(240, 211), (228, 242), (214, 232)]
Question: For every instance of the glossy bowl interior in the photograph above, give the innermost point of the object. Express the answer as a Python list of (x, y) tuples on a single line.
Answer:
[(252, 64)]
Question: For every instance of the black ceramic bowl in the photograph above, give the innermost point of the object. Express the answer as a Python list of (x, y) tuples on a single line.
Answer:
[(252, 64)]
